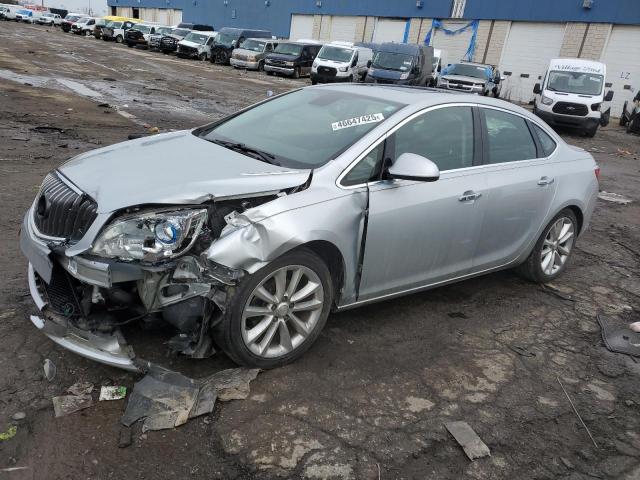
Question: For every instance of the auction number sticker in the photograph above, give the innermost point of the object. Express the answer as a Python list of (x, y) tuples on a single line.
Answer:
[(355, 121)]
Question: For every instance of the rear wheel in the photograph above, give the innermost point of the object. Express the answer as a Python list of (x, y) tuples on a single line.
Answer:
[(553, 249), (277, 313)]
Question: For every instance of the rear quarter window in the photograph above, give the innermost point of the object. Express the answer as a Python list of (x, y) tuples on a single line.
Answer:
[(548, 144)]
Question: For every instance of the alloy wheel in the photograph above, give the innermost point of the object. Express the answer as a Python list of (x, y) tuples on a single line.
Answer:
[(557, 246), (282, 311)]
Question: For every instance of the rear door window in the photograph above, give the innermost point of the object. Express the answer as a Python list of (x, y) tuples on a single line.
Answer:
[(508, 137), (547, 143)]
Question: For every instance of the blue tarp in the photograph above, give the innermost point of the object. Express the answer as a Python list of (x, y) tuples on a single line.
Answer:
[(473, 25)]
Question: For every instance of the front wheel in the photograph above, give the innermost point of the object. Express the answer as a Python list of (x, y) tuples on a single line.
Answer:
[(277, 313), (119, 39), (203, 57), (296, 72), (591, 131), (623, 117), (553, 249)]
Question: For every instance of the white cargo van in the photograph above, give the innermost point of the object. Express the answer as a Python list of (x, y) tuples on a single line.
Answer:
[(572, 95), (341, 62)]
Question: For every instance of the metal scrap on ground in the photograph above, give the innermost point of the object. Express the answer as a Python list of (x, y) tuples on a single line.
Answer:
[(469, 440), (66, 404), (165, 399)]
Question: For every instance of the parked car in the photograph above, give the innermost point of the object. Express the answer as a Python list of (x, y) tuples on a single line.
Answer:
[(169, 42), (230, 38), (69, 20), (114, 31), (84, 26), (401, 64), (5, 13), (196, 45), (292, 58), (156, 36), (341, 62), (630, 117), (323, 198), (25, 15), (48, 18), (572, 95), (102, 22), (252, 52), (138, 35), (195, 26), (471, 77)]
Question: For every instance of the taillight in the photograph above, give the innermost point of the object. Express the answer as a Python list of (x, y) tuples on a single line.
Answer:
[(597, 172)]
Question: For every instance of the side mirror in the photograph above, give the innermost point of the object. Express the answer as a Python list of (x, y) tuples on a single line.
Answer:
[(536, 89), (369, 64), (609, 96), (439, 68), (410, 166)]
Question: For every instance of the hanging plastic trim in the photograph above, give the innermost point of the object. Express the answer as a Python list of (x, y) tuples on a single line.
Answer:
[(473, 25)]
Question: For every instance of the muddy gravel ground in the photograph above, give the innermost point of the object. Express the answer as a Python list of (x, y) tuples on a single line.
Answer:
[(370, 399)]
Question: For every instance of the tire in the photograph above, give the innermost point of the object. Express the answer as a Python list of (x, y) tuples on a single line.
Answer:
[(202, 57), (296, 72), (270, 73), (314, 82), (350, 79), (591, 132), (623, 118), (261, 66), (232, 333), (130, 45), (532, 268), (119, 39), (535, 109)]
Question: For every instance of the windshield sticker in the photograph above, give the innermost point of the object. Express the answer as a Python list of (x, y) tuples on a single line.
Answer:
[(355, 121)]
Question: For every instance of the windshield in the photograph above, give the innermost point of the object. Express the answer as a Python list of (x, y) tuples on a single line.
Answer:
[(101, 22), (575, 82), (196, 38), (226, 39), (114, 24), (288, 49), (83, 20), (180, 32), (142, 28), (253, 45), (305, 128), (163, 30), (24, 12), (466, 70), (72, 18), (392, 61), (337, 54)]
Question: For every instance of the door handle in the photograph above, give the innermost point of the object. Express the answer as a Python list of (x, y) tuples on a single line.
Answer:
[(545, 181), (469, 195)]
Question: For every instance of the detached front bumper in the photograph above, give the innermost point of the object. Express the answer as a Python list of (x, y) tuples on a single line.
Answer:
[(110, 349), (283, 70)]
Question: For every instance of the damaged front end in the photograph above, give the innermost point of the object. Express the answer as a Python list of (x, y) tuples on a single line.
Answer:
[(146, 265)]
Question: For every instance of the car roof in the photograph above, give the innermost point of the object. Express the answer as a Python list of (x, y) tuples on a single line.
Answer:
[(393, 47), (420, 97), (260, 39)]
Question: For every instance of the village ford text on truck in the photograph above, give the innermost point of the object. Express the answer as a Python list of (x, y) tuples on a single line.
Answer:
[(572, 94)]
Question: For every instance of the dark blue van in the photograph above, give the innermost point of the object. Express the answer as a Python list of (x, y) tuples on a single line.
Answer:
[(401, 64)]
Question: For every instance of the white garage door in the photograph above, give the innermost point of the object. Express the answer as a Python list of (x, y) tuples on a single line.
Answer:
[(623, 65), (162, 16), (301, 27), (343, 28), (453, 47), (389, 30), (174, 17), (148, 14), (526, 57)]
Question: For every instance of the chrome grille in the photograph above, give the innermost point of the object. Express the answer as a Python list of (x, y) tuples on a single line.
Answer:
[(62, 212)]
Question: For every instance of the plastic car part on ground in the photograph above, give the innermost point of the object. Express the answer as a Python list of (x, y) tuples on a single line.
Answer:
[(469, 440), (165, 399), (614, 197), (619, 338)]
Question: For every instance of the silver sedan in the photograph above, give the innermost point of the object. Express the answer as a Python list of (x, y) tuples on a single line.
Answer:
[(245, 234)]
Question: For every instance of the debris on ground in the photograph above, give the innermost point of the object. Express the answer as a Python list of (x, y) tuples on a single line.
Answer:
[(469, 440), (49, 369), (13, 469), (9, 434), (112, 393), (80, 388), (558, 291), (154, 130), (614, 197), (575, 410), (19, 416), (165, 399), (635, 327), (619, 339), (522, 351), (67, 404)]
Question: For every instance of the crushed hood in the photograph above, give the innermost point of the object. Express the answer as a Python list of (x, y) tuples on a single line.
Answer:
[(463, 78), (173, 168)]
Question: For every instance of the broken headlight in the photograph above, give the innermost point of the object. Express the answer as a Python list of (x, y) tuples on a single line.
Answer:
[(151, 236)]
